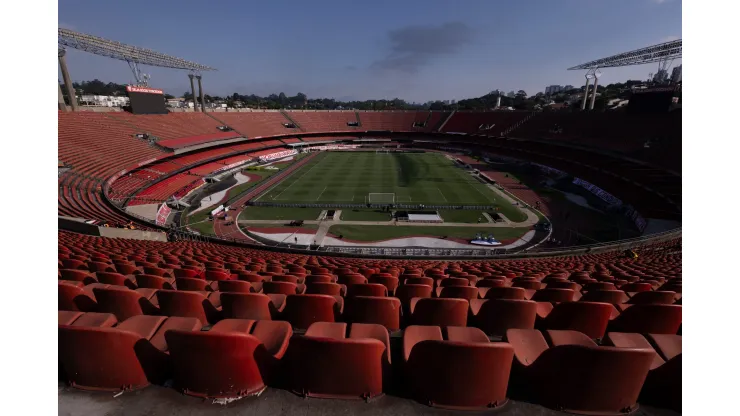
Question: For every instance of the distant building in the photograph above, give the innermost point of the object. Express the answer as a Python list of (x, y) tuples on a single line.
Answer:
[(103, 100), (676, 74), (553, 89), (176, 102), (568, 88)]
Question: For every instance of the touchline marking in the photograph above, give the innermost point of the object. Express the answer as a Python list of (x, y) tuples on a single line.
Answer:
[(297, 180), (443, 195), (322, 193)]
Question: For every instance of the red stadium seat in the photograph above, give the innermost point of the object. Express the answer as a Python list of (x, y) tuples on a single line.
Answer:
[(464, 372), (573, 374), (326, 363)]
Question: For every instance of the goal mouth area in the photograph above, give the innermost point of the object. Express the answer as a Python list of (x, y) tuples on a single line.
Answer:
[(381, 198)]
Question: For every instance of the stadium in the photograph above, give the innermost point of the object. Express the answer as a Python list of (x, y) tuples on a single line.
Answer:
[(408, 261)]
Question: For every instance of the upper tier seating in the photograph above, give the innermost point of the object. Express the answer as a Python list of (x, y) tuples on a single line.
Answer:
[(387, 120), (257, 123), (479, 122), (318, 121)]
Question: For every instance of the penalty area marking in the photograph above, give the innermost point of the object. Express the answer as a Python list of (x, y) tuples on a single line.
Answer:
[(443, 195)]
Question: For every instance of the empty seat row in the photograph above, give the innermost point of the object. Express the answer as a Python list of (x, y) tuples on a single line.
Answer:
[(494, 316), (449, 367)]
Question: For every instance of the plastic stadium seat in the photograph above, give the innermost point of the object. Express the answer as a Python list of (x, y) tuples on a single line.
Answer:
[(648, 319), (495, 316), (386, 280), (157, 271), (117, 279), (490, 283), (321, 278), (77, 276), (598, 286), (590, 318), (527, 284), (127, 269), (505, 293), (326, 363), (154, 282), (574, 374), (234, 358), (283, 288), (367, 289), (124, 303), (67, 317), (385, 311), (419, 281), (288, 278), (303, 310), (457, 292), (331, 289), (190, 304), (452, 281), (217, 275), (663, 384), (186, 273), (406, 292), (636, 287), (97, 266), (74, 264), (439, 312), (554, 295), (655, 297), (251, 306), (237, 286), (193, 284), (464, 372), (615, 297), (74, 298), (127, 357), (351, 279)]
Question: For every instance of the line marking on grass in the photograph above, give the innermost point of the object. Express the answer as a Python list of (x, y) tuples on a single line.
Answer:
[(443, 195), (297, 180), (322, 193)]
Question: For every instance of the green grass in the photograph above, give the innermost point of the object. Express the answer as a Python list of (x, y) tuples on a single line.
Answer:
[(417, 178), (352, 214), (463, 215), (270, 213), (385, 232), (244, 226), (203, 226)]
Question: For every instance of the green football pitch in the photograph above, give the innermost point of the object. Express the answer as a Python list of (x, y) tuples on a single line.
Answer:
[(350, 177)]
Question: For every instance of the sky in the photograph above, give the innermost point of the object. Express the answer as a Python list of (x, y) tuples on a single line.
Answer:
[(416, 50)]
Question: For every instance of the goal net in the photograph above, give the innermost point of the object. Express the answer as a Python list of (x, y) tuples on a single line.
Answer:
[(381, 198)]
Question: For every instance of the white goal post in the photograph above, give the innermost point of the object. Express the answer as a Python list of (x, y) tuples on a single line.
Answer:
[(381, 198)]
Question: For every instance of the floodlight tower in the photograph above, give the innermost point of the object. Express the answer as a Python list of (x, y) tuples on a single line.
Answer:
[(200, 90), (192, 91), (67, 79), (589, 75), (596, 74)]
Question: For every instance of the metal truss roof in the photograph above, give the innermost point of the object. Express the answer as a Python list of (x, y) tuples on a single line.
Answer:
[(128, 53), (655, 53)]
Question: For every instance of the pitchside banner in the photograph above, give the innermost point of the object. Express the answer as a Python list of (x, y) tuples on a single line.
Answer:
[(162, 214), (146, 100), (278, 155)]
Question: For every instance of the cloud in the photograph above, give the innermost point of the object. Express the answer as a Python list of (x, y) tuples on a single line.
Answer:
[(413, 47)]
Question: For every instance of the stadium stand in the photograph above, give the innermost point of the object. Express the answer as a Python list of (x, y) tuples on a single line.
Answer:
[(492, 123), (391, 120), (110, 302), (170, 126), (257, 123), (320, 121)]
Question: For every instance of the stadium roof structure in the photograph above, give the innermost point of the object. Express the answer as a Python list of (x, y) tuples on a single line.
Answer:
[(134, 55), (656, 53)]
